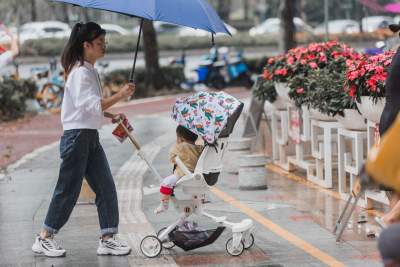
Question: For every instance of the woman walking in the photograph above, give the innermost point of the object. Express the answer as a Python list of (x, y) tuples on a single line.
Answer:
[(80, 150)]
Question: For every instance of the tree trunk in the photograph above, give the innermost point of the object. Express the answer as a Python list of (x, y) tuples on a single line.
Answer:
[(224, 9), (287, 10), (33, 10), (303, 14), (85, 14), (154, 78), (246, 10), (65, 12)]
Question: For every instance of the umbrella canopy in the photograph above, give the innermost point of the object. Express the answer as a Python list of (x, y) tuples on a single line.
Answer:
[(197, 14), (205, 113)]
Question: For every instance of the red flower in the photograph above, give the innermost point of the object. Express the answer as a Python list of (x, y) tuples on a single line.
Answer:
[(303, 62), (313, 65), (282, 72), (300, 90), (352, 91), (290, 60), (372, 84), (267, 75), (271, 61)]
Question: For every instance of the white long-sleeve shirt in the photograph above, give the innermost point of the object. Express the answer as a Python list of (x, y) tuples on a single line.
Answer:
[(81, 106), (6, 58)]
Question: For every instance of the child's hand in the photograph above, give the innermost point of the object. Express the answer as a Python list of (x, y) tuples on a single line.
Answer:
[(118, 117), (127, 90)]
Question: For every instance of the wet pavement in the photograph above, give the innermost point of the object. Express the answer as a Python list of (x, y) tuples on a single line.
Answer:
[(293, 219)]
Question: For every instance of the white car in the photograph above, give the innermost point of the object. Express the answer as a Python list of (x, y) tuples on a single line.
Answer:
[(44, 29), (373, 23), (186, 32), (340, 26), (272, 26), (115, 29)]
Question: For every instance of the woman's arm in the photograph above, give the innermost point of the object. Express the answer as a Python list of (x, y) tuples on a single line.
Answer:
[(126, 91)]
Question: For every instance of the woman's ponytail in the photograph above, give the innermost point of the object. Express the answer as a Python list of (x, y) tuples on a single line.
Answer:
[(73, 51)]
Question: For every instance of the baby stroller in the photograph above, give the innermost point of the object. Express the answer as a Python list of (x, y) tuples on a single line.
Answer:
[(212, 116)]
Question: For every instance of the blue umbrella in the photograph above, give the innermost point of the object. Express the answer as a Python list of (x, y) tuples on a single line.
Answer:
[(196, 14)]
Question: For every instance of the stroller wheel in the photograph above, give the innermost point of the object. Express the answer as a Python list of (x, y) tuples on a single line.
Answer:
[(249, 242), (166, 244), (150, 246), (234, 251)]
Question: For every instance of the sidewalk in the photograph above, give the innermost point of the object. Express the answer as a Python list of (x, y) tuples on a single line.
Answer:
[(293, 221)]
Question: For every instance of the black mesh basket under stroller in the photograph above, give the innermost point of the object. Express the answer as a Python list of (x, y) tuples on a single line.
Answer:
[(188, 240)]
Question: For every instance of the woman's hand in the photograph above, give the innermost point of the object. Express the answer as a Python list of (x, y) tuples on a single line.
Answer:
[(118, 117), (127, 90)]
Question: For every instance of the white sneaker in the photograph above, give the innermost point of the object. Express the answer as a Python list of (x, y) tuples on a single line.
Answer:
[(162, 207), (113, 246), (47, 246)]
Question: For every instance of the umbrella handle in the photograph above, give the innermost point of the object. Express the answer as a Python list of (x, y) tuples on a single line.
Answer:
[(133, 140), (131, 80)]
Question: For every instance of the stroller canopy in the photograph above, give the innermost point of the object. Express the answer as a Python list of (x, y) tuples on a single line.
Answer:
[(205, 113)]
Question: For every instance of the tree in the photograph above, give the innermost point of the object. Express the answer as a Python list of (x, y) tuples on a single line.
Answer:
[(154, 78), (224, 9), (287, 11), (33, 10)]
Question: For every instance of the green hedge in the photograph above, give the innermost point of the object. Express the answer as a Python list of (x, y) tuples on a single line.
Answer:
[(174, 76), (13, 94)]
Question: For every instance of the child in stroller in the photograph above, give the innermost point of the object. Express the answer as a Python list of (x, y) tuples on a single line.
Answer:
[(186, 149)]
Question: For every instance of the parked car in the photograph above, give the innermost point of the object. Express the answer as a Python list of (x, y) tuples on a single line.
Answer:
[(272, 26), (374, 23), (115, 29), (186, 31), (339, 26), (44, 29)]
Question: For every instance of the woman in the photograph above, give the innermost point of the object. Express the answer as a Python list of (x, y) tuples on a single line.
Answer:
[(81, 153), (389, 114), (6, 57)]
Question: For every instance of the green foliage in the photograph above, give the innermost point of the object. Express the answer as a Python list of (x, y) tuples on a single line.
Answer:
[(13, 94), (174, 76), (264, 90), (327, 94)]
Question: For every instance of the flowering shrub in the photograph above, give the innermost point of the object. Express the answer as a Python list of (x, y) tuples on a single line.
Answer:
[(330, 55), (367, 75), (327, 94)]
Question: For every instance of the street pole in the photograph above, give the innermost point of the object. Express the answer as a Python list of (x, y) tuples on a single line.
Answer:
[(326, 16)]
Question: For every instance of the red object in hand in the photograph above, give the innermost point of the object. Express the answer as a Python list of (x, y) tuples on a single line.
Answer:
[(120, 132)]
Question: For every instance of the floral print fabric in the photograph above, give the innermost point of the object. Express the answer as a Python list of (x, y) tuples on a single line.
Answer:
[(205, 113)]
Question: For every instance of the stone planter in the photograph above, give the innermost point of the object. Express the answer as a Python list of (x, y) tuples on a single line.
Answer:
[(278, 104), (317, 115), (352, 120), (370, 110), (237, 148), (252, 172), (282, 89)]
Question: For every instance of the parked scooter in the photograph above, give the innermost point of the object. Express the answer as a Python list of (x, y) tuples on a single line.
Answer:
[(218, 70), (237, 71)]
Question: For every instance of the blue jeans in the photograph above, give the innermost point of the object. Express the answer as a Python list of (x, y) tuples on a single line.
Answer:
[(83, 156)]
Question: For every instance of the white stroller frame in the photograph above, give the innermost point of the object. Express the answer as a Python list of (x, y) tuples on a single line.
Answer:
[(195, 185)]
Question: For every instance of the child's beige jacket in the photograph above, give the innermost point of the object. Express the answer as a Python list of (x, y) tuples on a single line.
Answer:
[(188, 153)]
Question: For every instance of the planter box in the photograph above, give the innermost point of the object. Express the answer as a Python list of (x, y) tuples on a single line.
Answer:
[(278, 104), (282, 89), (317, 115), (369, 110), (352, 120)]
